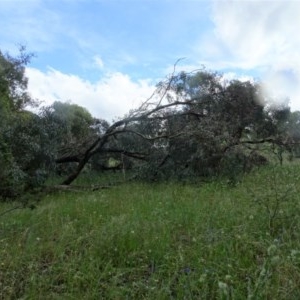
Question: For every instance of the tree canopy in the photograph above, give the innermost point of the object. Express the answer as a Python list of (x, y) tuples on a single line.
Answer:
[(195, 124), (21, 138)]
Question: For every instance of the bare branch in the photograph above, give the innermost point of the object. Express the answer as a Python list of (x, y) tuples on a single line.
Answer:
[(144, 113), (136, 155), (150, 138)]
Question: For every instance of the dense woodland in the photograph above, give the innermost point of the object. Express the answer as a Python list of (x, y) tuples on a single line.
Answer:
[(195, 124)]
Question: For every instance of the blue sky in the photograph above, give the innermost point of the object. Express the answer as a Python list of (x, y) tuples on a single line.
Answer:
[(107, 55)]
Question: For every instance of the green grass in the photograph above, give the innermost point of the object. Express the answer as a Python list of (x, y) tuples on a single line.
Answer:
[(159, 241)]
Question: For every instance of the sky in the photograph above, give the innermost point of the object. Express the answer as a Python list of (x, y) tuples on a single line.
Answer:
[(107, 55)]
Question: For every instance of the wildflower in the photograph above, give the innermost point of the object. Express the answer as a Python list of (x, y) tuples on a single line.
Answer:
[(187, 270), (263, 272), (222, 286), (202, 277), (272, 250), (295, 253), (275, 260)]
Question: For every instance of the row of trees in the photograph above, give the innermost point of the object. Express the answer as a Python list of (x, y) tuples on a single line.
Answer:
[(195, 124)]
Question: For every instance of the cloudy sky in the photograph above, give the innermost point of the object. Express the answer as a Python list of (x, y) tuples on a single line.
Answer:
[(107, 55)]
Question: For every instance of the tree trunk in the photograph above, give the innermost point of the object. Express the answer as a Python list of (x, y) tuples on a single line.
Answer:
[(75, 174)]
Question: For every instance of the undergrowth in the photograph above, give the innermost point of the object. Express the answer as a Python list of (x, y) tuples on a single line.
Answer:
[(157, 241)]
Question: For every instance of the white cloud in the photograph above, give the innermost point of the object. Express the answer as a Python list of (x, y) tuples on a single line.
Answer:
[(263, 35), (98, 62), (111, 97), (228, 76), (284, 83)]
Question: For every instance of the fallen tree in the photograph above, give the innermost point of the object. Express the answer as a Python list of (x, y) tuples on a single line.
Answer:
[(187, 126)]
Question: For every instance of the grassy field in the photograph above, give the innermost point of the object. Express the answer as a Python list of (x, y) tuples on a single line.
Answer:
[(158, 241)]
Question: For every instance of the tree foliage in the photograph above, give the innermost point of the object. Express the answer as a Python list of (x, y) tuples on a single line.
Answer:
[(70, 128), (195, 124), (24, 145)]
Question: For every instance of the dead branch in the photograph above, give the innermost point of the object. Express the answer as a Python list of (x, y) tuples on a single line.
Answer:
[(143, 113), (75, 188), (11, 209)]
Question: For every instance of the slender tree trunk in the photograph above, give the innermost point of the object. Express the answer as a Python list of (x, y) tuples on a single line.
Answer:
[(83, 162), (96, 146), (75, 174)]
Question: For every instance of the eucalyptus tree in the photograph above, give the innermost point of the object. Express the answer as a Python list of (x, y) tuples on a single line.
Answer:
[(189, 126), (22, 143)]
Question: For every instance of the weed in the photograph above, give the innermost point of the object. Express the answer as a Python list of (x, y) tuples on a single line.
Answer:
[(160, 241)]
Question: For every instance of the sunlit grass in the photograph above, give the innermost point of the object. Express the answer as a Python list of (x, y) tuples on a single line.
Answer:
[(159, 241)]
